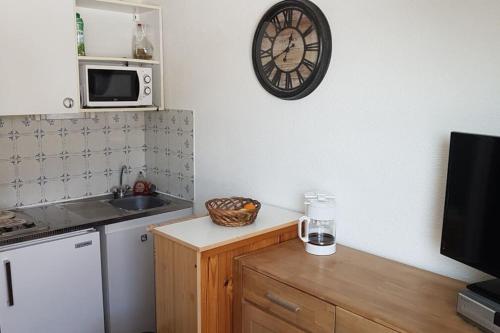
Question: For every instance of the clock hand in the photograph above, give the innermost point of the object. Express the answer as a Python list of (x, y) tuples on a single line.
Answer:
[(289, 48), (284, 51)]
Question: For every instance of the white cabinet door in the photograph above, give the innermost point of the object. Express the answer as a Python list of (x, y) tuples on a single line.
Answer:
[(52, 285), (129, 277), (38, 61)]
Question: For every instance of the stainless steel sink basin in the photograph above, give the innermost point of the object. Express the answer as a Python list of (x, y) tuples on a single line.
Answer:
[(138, 203)]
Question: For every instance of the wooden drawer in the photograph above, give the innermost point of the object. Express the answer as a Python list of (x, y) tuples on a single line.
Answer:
[(305, 311), (348, 322), (257, 321)]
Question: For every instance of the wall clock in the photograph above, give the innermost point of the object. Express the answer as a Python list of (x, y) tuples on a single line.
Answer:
[(292, 48)]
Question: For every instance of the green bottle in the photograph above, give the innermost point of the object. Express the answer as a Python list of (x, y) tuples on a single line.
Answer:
[(80, 42)]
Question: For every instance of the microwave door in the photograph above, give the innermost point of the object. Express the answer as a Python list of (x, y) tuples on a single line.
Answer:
[(116, 87)]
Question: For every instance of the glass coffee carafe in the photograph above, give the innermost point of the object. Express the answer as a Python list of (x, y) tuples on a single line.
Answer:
[(317, 228)]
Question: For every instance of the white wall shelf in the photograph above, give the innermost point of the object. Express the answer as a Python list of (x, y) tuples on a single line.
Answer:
[(117, 6), (138, 109), (109, 29), (117, 59)]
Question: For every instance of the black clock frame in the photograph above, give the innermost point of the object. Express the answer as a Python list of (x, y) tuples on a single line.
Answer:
[(324, 55)]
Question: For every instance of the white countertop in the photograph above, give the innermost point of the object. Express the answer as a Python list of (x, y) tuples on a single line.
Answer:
[(202, 234)]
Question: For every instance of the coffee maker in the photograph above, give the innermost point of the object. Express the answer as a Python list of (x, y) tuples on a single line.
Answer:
[(317, 229)]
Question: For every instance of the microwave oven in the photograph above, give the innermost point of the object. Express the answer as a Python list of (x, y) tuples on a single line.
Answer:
[(116, 86)]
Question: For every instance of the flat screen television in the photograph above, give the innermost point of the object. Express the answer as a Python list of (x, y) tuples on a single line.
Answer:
[(471, 226)]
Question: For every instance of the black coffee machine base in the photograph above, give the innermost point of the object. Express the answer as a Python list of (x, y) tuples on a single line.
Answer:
[(489, 289)]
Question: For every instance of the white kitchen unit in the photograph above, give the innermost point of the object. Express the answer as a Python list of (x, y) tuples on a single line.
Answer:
[(109, 32), (39, 63), (128, 273), (52, 285)]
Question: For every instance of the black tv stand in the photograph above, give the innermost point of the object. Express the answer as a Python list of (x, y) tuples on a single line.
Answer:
[(489, 289)]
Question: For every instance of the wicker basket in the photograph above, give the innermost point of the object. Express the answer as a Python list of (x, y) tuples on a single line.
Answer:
[(229, 212)]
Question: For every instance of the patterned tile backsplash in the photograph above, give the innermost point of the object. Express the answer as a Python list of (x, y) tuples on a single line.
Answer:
[(51, 160), (170, 152)]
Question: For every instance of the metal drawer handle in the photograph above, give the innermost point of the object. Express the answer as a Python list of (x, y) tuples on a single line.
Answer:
[(281, 302), (10, 291)]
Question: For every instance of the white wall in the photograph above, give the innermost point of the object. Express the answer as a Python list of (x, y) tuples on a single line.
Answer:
[(404, 74)]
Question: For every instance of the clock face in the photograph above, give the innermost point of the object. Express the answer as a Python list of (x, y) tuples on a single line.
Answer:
[(292, 49)]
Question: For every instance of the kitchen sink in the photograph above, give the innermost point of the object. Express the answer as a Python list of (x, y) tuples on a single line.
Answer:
[(138, 203)]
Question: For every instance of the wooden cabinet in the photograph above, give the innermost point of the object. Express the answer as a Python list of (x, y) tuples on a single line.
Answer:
[(285, 289), (38, 63), (258, 321), (177, 288), (194, 288), (348, 322)]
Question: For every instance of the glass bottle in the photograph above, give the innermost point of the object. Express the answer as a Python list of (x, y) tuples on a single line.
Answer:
[(80, 41), (143, 49)]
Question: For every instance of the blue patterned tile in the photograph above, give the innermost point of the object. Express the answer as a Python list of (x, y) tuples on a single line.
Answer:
[(86, 153), (106, 129), (65, 178), (87, 175), (85, 131), (127, 149), (39, 133), (15, 159), (61, 159), (42, 180), (170, 152), (40, 157), (63, 131), (17, 183), (26, 122), (126, 128), (64, 155), (13, 135)]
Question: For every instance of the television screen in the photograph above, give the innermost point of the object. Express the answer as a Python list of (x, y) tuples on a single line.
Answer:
[(471, 226)]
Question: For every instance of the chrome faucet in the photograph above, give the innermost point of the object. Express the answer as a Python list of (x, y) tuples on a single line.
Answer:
[(121, 175), (121, 190)]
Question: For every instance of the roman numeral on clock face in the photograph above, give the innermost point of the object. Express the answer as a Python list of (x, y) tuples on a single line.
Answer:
[(308, 31), (299, 20), (309, 64), (288, 14), (312, 47), (268, 68), (299, 76), (266, 53), (276, 78), (277, 23), (288, 81)]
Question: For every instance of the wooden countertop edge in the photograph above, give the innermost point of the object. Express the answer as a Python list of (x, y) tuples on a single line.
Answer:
[(243, 262), (151, 227), (222, 243)]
